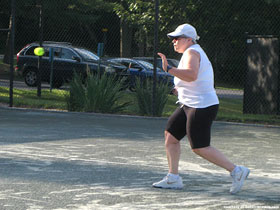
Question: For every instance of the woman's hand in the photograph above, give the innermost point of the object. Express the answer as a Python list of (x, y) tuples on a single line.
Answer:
[(164, 61)]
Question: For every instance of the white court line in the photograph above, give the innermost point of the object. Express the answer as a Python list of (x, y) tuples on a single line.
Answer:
[(27, 199)]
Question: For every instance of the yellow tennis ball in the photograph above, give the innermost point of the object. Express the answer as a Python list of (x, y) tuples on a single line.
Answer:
[(39, 51)]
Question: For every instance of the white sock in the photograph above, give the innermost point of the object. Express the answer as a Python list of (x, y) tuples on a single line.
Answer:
[(235, 170), (174, 176)]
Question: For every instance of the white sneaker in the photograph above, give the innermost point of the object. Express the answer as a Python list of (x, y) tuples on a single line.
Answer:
[(169, 182), (238, 176)]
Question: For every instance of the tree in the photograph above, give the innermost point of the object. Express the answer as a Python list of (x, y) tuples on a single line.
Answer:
[(4, 24), (68, 20), (221, 24), (137, 19)]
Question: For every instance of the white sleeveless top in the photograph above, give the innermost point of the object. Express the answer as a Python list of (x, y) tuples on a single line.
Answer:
[(199, 93)]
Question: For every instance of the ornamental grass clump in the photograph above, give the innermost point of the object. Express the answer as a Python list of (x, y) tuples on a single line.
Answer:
[(97, 93), (144, 94)]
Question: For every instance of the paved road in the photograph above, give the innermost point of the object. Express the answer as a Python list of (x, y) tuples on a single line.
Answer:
[(60, 160), (21, 85)]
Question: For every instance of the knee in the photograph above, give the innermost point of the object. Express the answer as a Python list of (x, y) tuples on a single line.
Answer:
[(199, 151), (169, 139), (196, 151)]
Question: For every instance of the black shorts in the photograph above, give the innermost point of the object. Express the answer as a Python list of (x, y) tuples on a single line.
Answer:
[(193, 122)]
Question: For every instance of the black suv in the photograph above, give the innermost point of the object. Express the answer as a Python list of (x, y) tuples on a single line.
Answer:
[(67, 60)]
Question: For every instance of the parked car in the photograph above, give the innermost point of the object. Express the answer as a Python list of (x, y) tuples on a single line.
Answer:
[(171, 61), (141, 69), (67, 60)]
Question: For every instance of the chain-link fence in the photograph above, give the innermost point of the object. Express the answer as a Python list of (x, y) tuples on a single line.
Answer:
[(72, 31)]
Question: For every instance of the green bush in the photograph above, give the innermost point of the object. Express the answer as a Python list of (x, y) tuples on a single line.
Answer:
[(77, 95), (144, 94), (96, 94)]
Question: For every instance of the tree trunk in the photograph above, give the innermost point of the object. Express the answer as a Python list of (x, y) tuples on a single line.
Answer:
[(126, 40), (141, 43), (6, 58), (92, 36)]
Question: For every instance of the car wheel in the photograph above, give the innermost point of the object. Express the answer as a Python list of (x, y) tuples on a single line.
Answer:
[(30, 78)]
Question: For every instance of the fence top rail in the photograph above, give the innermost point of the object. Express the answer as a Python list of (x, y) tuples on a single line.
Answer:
[(4, 29), (262, 36), (54, 42)]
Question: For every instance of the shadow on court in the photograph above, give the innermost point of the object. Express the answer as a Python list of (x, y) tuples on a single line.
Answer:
[(59, 160)]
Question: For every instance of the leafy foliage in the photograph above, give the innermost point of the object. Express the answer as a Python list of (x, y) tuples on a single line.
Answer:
[(76, 21), (136, 12), (98, 94), (222, 26), (144, 94), (77, 97)]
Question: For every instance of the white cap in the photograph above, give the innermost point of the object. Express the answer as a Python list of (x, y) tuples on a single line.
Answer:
[(184, 30)]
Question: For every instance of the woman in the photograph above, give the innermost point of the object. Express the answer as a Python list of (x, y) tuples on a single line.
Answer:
[(194, 83)]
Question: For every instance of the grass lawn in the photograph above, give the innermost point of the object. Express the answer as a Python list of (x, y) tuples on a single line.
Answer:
[(29, 98), (229, 110)]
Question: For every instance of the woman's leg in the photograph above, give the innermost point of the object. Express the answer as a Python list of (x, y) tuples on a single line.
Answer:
[(173, 150), (199, 134), (215, 156), (176, 126)]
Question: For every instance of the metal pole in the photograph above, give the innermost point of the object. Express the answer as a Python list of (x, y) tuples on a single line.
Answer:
[(155, 57), (39, 75), (51, 54), (12, 44), (105, 31)]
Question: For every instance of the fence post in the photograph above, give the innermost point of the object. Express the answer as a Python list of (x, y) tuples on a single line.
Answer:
[(155, 57), (39, 75), (51, 55), (12, 43)]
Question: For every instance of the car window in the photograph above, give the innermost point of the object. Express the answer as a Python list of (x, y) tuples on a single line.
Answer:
[(130, 64), (150, 66), (56, 52), (87, 55), (30, 51), (125, 63), (67, 54), (146, 64), (149, 63), (122, 62), (135, 66)]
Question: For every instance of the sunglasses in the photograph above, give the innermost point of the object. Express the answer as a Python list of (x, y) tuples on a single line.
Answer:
[(179, 37)]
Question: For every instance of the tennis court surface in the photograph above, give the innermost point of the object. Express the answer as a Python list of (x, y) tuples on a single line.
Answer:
[(60, 160)]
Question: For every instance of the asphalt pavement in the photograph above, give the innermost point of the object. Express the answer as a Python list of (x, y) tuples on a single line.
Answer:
[(61, 160)]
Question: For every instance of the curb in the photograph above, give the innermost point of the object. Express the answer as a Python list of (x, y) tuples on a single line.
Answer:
[(4, 106)]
